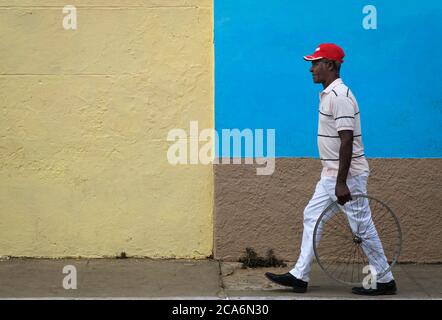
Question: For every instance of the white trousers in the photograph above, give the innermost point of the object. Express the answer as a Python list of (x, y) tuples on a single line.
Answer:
[(324, 195)]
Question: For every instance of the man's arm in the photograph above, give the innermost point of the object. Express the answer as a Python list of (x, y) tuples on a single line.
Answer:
[(345, 153)]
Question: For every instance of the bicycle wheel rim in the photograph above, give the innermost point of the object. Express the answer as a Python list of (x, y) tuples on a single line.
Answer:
[(397, 245)]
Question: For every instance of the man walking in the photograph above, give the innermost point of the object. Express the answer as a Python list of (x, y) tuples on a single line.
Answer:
[(345, 168)]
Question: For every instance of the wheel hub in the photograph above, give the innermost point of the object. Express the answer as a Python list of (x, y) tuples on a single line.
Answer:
[(357, 239)]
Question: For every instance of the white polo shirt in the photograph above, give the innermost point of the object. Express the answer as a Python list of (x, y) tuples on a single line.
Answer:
[(338, 110)]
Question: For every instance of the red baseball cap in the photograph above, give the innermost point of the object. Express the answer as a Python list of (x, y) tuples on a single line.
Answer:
[(327, 51)]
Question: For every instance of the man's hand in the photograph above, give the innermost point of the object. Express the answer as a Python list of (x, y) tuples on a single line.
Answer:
[(342, 192)]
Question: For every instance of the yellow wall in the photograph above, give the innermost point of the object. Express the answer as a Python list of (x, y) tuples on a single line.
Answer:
[(84, 121)]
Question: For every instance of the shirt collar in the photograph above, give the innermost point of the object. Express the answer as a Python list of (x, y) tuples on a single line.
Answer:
[(332, 85)]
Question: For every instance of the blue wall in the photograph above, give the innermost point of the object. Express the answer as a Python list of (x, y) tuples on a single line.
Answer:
[(261, 80)]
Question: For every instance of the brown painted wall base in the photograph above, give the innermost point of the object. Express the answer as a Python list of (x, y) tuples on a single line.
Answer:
[(266, 212)]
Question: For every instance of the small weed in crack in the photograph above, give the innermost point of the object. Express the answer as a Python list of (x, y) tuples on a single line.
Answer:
[(252, 260), (122, 255)]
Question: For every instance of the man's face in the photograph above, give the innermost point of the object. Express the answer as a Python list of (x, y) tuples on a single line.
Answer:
[(319, 70)]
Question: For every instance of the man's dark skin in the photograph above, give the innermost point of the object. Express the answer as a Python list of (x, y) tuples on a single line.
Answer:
[(325, 71)]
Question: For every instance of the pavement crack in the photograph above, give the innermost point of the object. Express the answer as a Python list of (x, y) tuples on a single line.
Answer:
[(222, 292)]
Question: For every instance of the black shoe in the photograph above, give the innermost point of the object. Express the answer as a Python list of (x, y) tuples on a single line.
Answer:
[(288, 280), (381, 289)]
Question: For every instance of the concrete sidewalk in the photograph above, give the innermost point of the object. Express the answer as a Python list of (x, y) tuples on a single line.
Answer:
[(188, 279)]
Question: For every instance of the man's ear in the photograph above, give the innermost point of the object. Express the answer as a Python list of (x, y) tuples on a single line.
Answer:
[(330, 65)]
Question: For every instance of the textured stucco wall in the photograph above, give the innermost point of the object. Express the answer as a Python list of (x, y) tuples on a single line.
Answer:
[(266, 212), (84, 119)]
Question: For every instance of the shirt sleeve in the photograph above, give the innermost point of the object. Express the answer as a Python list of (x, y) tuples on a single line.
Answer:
[(343, 112)]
